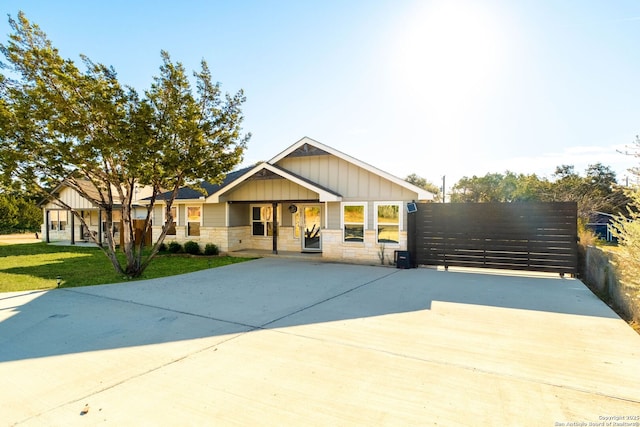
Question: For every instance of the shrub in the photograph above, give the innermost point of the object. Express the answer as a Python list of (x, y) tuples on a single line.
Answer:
[(192, 248), (211, 249), (627, 230), (175, 247), (162, 247)]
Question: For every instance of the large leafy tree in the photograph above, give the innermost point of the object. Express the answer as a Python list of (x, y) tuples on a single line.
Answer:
[(497, 187), (104, 140), (18, 213), (421, 182), (596, 191)]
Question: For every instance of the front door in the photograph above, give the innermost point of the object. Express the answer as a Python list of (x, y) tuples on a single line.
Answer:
[(311, 222)]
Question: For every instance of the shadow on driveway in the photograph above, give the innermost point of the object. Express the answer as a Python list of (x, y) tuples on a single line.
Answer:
[(259, 294)]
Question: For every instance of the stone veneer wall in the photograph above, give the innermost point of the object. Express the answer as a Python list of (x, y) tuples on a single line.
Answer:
[(367, 252), (234, 238), (226, 238), (333, 248)]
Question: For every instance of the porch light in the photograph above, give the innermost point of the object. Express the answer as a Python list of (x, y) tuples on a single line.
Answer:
[(58, 280)]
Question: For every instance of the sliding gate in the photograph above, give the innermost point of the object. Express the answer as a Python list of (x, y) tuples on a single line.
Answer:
[(532, 236)]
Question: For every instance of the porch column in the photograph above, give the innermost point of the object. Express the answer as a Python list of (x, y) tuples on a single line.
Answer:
[(275, 228), (100, 227), (47, 224), (73, 228)]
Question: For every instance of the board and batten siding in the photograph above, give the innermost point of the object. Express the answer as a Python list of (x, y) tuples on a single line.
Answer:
[(352, 182), (269, 189), (71, 198), (333, 215)]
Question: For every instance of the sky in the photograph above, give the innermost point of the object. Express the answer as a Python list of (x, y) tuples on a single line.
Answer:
[(437, 88)]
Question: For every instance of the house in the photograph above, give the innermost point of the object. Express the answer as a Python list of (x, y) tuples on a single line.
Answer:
[(308, 198), (601, 223), (60, 225)]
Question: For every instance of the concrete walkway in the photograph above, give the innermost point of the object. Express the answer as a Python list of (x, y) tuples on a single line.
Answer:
[(285, 342)]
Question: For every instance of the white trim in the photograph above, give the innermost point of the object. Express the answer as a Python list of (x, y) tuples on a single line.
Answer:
[(304, 223), (323, 194), (422, 193), (186, 218), (58, 219), (326, 215), (264, 205), (164, 213), (365, 219), (175, 218), (400, 206), (186, 212)]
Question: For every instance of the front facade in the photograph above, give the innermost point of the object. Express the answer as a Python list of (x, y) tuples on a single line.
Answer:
[(309, 198), (59, 224)]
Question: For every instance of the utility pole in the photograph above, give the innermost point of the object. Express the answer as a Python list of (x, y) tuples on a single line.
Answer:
[(443, 188)]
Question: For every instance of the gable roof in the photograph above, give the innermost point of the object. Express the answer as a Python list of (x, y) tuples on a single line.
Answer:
[(325, 194), (188, 193), (77, 185), (303, 144)]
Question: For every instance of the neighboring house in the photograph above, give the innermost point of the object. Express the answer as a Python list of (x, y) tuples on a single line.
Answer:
[(59, 224), (601, 224), (309, 198)]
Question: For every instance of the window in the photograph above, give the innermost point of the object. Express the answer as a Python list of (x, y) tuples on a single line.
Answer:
[(262, 220), (58, 220), (353, 220), (388, 222), (116, 222), (194, 219), (171, 228)]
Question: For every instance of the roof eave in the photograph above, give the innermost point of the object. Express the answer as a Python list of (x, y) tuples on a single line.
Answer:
[(421, 193), (324, 196)]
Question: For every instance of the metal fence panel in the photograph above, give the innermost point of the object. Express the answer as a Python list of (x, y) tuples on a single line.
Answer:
[(536, 236)]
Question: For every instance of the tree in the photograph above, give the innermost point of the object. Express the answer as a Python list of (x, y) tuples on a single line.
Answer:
[(8, 214), (633, 150), (496, 187), (597, 191), (421, 182), (626, 228), (19, 213), (103, 140)]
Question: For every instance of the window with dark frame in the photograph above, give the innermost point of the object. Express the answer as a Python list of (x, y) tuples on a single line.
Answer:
[(262, 220)]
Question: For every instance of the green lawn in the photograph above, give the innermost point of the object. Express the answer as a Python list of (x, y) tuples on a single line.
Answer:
[(37, 265)]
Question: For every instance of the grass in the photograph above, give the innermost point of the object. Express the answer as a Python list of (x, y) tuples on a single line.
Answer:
[(36, 266)]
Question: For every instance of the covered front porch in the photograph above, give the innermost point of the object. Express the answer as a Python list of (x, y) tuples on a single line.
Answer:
[(278, 211), (61, 224)]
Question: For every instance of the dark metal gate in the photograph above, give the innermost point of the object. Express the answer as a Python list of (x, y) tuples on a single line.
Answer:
[(535, 236)]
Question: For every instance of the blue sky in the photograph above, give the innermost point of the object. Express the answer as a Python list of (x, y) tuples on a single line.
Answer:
[(453, 88)]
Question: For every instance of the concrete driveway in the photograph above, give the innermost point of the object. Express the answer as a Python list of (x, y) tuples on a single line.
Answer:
[(283, 342)]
